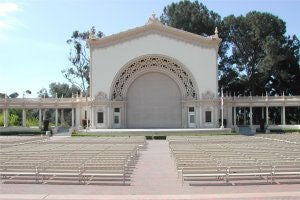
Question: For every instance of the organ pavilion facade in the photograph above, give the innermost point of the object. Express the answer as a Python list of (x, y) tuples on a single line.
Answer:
[(154, 76)]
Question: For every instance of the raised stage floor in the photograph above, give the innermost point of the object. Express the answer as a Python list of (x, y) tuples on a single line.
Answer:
[(157, 131)]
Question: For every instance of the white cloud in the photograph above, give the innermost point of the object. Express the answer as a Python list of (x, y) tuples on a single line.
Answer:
[(7, 20), (6, 8)]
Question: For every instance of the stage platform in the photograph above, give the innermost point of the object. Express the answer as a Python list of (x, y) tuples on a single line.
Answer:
[(190, 131)]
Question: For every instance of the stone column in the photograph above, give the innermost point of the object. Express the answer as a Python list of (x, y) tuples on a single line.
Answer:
[(24, 118), (283, 115), (267, 116), (251, 116), (72, 117), (109, 117), (77, 117), (92, 117), (40, 118), (62, 118), (234, 116), (229, 115), (245, 116), (56, 117), (87, 117), (222, 109), (5, 117), (200, 116), (215, 117), (44, 114), (184, 115), (125, 115)]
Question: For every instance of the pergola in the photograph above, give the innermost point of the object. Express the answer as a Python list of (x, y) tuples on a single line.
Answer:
[(231, 107), (42, 104), (263, 102)]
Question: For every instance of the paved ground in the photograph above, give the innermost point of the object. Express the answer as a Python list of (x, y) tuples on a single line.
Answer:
[(156, 164), (154, 178)]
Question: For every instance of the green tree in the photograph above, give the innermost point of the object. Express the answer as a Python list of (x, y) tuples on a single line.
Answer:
[(43, 93), (14, 117), (78, 73), (62, 89), (191, 16), (255, 41), (13, 95), (260, 57), (285, 74)]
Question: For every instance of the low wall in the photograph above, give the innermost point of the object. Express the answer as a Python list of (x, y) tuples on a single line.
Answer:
[(19, 128)]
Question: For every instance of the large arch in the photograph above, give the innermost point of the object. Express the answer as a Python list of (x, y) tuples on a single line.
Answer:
[(154, 63)]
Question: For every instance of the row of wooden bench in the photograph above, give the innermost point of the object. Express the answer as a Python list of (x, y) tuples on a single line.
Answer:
[(67, 162), (235, 159)]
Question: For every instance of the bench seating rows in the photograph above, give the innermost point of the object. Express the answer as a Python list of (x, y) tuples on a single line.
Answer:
[(235, 159), (7, 141), (110, 161)]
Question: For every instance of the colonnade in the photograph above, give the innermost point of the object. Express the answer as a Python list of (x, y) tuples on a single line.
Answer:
[(265, 111), (228, 106), (41, 116)]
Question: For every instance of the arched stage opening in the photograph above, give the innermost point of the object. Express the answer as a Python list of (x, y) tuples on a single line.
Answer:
[(153, 101)]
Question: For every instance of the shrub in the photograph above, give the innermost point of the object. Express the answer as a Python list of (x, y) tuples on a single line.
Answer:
[(20, 133), (156, 137), (32, 122), (13, 120), (2, 119), (148, 137), (159, 137)]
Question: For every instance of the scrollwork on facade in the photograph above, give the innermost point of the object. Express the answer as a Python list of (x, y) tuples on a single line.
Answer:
[(208, 95), (153, 63), (101, 96)]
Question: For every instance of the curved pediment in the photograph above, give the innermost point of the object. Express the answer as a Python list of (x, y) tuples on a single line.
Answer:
[(153, 26)]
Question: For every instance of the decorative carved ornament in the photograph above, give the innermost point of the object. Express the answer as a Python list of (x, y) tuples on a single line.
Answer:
[(153, 63), (101, 96), (208, 95), (153, 19)]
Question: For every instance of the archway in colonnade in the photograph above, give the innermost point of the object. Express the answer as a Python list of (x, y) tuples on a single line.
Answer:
[(292, 115), (242, 116), (275, 115), (259, 116)]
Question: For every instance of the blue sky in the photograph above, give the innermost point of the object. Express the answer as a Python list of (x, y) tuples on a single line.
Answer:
[(33, 33)]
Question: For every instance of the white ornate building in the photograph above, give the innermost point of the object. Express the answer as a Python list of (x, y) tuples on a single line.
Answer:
[(153, 77), (156, 76)]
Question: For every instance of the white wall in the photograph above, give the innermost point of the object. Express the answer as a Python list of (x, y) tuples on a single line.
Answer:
[(106, 62)]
